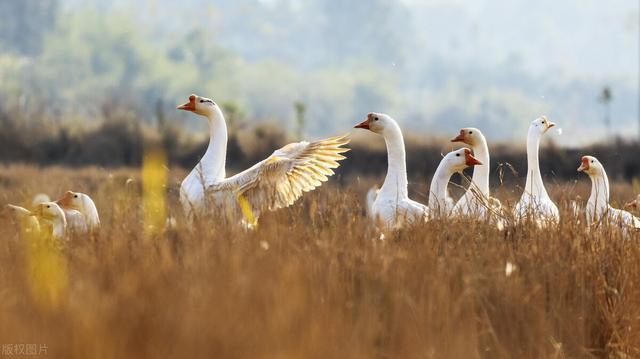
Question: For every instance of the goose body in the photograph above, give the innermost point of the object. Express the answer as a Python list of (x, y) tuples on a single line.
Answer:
[(76, 222), (273, 183), (391, 207), (535, 203), (372, 194), (440, 203), (24, 219), (598, 208)]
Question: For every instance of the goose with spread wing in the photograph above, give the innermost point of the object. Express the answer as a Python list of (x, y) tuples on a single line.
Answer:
[(276, 182)]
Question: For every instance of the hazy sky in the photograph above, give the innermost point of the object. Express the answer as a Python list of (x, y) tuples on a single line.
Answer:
[(460, 59)]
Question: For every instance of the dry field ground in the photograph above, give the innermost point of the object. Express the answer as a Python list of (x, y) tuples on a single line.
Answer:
[(314, 282)]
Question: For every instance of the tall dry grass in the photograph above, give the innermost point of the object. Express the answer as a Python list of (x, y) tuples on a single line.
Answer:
[(315, 282)]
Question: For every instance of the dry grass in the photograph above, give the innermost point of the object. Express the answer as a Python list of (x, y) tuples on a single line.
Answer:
[(313, 282)]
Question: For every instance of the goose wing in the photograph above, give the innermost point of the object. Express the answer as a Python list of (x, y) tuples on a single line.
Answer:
[(283, 177), (624, 218)]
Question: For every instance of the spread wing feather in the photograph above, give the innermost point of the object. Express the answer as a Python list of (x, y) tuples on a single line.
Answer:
[(283, 177)]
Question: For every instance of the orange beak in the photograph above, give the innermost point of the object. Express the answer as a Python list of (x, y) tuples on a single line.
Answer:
[(459, 138), (65, 200), (364, 124), (584, 166), (189, 106), (550, 124), (632, 204), (469, 159)]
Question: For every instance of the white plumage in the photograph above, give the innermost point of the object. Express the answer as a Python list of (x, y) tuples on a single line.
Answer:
[(391, 206), (440, 203), (535, 203), (598, 209), (82, 214)]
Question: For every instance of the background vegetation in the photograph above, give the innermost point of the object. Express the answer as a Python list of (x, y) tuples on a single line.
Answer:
[(434, 65)]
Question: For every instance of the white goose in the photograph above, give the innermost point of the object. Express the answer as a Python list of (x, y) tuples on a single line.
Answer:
[(392, 208), (25, 220), (52, 219), (440, 203), (598, 208), (476, 199), (76, 202), (273, 183), (535, 201)]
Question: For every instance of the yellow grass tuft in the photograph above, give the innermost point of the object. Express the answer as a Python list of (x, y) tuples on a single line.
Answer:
[(154, 179), (46, 270)]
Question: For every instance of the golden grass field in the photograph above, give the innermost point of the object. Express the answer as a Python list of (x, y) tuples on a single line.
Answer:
[(314, 281)]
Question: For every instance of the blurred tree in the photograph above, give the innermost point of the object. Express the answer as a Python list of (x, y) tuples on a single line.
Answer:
[(24, 23), (233, 113), (300, 109), (605, 99), (160, 116)]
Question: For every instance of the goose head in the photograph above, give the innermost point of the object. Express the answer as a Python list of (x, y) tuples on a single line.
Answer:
[(201, 106), (17, 211), (540, 125), (49, 211), (74, 200), (460, 159), (591, 166), (377, 123), (471, 136), (70, 200), (81, 203)]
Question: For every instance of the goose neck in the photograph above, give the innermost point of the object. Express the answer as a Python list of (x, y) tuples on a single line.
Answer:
[(534, 184), (481, 172), (395, 183), (213, 161), (58, 226), (599, 198), (438, 191)]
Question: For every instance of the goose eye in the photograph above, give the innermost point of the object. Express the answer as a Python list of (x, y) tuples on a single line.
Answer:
[(592, 161), (457, 155), (48, 206), (471, 132), (75, 196), (375, 119), (201, 101)]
